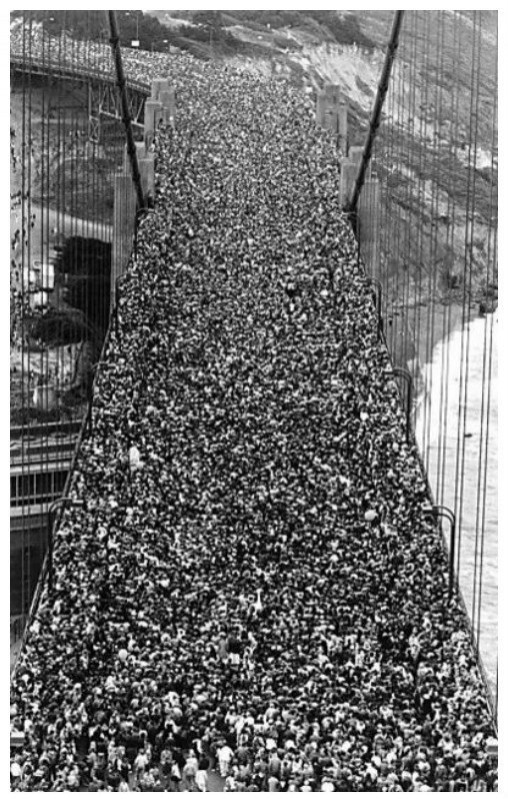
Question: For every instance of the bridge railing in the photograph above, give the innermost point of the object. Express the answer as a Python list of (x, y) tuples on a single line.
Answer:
[(72, 70)]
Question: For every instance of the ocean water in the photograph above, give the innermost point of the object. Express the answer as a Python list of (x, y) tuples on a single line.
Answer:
[(456, 426)]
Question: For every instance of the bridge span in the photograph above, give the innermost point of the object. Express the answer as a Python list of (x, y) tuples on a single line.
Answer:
[(247, 571), (102, 98)]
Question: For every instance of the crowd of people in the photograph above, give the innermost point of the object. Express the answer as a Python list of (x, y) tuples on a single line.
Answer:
[(247, 592)]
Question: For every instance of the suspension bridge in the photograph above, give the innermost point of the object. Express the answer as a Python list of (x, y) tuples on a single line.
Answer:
[(242, 415)]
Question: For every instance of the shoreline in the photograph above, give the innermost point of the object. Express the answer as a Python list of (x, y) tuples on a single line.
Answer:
[(435, 325), (478, 459)]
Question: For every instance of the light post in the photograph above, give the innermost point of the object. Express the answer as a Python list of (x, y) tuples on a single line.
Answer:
[(446, 513), (135, 42)]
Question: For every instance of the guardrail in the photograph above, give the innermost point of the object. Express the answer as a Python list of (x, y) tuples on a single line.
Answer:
[(46, 429)]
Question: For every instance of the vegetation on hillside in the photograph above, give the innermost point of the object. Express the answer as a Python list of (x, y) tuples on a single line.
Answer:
[(207, 33)]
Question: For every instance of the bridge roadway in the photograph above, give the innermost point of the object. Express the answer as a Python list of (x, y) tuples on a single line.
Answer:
[(42, 443), (103, 99), (40, 458), (247, 486)]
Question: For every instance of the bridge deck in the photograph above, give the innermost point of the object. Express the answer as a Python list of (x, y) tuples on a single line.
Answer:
[(58, 68), (253, 546)]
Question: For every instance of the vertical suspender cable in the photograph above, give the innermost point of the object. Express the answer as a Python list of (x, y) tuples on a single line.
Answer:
[(42, 178), (425, 163), (433, 243), (444, 480), (422, 165), (441, 190), (408, 137), (466, 301), (478, 553), (27, 260), (491, 259), (391, 239), (23, 276)]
